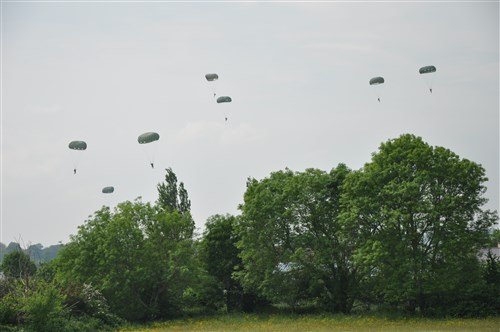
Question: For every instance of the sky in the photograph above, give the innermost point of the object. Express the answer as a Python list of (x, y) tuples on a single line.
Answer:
[(297, 73)]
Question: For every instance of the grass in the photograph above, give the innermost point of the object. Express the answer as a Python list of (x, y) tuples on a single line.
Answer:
[(304, 323)]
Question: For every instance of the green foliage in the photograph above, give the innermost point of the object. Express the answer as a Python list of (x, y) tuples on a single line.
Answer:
[(43, 305), (44, 309), (5, 250), (490, 291), (36, 252), (491, 273), (291, 244), (18, 264), (171, 196), (37, 306), (139, 257), (12, 292), (39, 254), (219, 243), (220, 255), (494, 238), (401, 233), (415, 213)]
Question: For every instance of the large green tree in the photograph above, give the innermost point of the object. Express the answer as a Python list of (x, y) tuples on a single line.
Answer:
[(140, 256), (17, 264), (416, 215), (220, 257), (290, 242)]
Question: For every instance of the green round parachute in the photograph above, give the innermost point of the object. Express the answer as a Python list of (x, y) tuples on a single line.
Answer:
[(377, 83), (108, 190), (78, 145), (377, 80), (427, 70), (148, 138), (212, 77), (224, 99), (429, 79)]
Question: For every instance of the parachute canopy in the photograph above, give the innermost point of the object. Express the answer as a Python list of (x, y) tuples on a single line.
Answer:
[(224, 99), (108, 190), (78, 145), (427, 69), (377, 80), (212, 77), (148, 138)]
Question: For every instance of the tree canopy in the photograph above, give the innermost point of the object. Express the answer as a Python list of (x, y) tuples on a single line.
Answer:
[(416, 214), (407, 231), (290, 241)]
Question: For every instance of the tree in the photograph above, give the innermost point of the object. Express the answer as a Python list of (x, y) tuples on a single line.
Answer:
[(138, 256), (491, 276), (18, 264), (220, 256), (172, 196), (290, 244), (416, 214), (494, 238)]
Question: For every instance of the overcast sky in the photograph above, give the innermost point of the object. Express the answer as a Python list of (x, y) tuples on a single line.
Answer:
[(297, 73)]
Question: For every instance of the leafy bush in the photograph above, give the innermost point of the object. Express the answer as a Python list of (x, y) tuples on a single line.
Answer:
[(44, 309), (47, 306), (10, 301)]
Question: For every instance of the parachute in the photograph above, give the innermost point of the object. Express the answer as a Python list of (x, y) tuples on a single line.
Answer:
[(76, 147), (148, 138), (377, 81), (429, 79), (212, 77), (224, 99), (427, 69), (108, 190)]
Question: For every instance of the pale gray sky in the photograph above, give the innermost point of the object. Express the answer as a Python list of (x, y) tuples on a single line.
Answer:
[(297, 73)]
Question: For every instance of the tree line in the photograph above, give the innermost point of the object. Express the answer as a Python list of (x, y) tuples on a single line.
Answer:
[(401, 234), (37, 252)]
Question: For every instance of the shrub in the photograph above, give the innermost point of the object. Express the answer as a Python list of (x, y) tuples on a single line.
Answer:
[(44, 309)]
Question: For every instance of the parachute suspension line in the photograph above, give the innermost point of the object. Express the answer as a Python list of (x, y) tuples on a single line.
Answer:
[(212, 79), (377, 83), (75, 160), (223, 100), (76, 149), (376, 91), (429, 81), (150, 149), (428, 75)]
